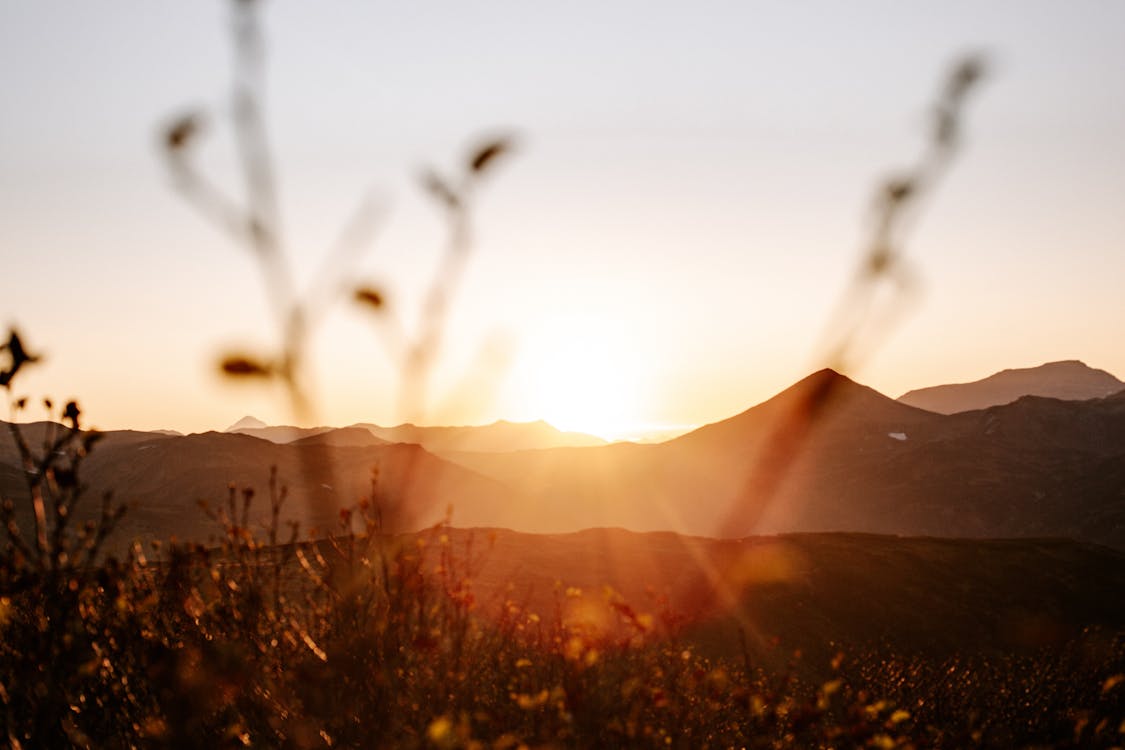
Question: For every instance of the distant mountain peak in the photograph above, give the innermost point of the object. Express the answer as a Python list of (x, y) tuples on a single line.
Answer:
[(168, 433), (1062, 364), (827, 388), (822, 376), (824, 394), (1067, 380), (247, 423)]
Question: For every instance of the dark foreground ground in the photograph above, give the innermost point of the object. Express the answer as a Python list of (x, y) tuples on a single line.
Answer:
[(605, 638)]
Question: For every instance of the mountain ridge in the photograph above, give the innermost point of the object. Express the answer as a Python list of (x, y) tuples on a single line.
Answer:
[(826, 454), (247, 422), (1069, 380), (501, 435)]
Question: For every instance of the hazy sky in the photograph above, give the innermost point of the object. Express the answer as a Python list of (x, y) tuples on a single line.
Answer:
[(691, 191)]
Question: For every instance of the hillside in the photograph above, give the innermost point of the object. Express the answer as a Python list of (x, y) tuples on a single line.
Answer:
[(830, 455), (814, 592), (344, 436), (827, 454), (498, 436), (1069, 380), (163, 480)]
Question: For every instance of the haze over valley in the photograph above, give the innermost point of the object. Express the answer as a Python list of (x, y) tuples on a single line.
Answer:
[(826, 454)]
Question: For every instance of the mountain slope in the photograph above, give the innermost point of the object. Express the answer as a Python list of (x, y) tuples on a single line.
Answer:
[(279, 433), (719, 480), (498, 436), (1069, 380), (163, 480), (246, 423), (343, 436), (815, 592), (831, 455), (827, 454)]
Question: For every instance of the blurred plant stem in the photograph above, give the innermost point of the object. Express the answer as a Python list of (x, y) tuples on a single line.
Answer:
[(254, 222), (860, 322)]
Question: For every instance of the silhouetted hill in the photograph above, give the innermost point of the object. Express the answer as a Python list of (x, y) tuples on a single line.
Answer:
[(498, 436), (826, 397), (718, 480), (1069, 380), (814, 592), (279, 433), (824, 455), (163, 479), (831, 455), (344, 436), (246, 423), (37, 433)]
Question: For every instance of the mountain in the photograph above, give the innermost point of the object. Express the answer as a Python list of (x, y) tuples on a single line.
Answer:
[(279, 433), (246, 423), (829, 454), (718, 480), (1069, 380), (344, 436), (164, 479), (498, 436), (825, 455)]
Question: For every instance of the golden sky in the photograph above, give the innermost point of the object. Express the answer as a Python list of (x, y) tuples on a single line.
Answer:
[(691, 190)]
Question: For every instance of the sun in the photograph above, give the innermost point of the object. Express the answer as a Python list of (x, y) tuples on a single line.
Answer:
[(580, 374)]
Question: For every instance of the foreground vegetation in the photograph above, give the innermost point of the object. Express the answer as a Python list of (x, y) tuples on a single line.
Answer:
[(371, 639)]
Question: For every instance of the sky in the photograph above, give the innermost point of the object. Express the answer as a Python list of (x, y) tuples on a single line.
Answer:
[(690, 192)]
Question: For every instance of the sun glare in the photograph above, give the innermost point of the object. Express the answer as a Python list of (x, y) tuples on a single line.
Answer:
[(580, 375)]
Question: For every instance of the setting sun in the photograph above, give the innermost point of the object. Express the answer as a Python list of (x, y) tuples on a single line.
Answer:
[(579, 374)]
